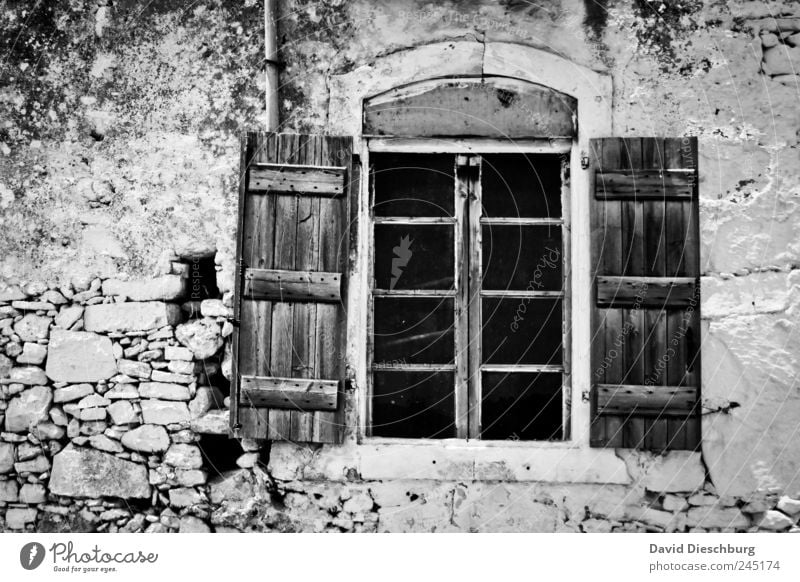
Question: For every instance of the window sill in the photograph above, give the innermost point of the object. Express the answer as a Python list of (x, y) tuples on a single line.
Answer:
[(383, 459)]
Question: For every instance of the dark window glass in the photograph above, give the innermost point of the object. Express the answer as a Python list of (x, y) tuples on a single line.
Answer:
[(413, 405), (413, 256), (413, 184), (518, 185), (522, 258), (521, 406), (521, 331), (413, 331)]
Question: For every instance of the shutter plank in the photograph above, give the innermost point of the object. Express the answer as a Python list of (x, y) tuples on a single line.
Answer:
[(641, 184), (280, 421), (644, 291), (296, 179), (290, 393), (304, 333), (645, 399), (615, 357), (296, 285)]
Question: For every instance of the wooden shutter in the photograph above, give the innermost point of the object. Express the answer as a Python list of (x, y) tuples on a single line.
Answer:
[(646, 310), (292, 249)]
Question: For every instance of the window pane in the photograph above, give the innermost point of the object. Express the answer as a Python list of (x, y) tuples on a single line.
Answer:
[(518, 185), (413, 405), (413, 184), (521, 331), (413, 256), (521, 406), (522, 258), (413, 331)]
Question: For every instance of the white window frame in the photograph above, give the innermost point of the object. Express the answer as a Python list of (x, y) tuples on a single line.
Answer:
[(454, 147)]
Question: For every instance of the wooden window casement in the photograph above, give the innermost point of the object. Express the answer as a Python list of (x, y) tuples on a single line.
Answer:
[(468, 327)]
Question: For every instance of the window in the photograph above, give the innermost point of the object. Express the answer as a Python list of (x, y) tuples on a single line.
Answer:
[(468, 297)]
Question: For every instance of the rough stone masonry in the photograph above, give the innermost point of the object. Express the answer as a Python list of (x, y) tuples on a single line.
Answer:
[(118, 173)]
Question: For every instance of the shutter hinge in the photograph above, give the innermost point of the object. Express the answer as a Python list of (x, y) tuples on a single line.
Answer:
[(586, 395), (584, 160)]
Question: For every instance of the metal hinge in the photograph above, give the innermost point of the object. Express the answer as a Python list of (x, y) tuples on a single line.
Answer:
[(584, 160), (586, 395)]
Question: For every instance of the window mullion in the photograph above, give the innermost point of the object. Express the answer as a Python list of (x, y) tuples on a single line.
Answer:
[(475, 283), (462, 297)]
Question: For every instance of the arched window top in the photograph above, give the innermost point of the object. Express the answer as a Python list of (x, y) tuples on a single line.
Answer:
[(496, 107)]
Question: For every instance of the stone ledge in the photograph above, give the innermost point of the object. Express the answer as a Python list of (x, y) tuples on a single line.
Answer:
[(562, 464)]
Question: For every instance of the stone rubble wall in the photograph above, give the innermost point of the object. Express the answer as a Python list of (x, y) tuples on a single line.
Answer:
[(100, 397), (104, 400)]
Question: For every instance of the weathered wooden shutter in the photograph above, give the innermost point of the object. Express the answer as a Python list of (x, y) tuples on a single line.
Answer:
[(646, 320), (293, 241)]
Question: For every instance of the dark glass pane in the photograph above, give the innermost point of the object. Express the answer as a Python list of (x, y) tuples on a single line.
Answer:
[(522, 258), (413, 256), (413, 184), (413, 405), (413, 331), (521, 406), (518, 185), (521, 331)]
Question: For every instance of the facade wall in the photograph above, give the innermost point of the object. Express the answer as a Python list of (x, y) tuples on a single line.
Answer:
[(120, 157)]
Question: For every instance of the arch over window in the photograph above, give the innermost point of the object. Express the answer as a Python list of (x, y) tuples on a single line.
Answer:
[(479, 107), (592, 89)]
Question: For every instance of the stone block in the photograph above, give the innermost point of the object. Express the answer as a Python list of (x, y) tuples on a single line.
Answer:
[(79, 356), (32, 354), (164, 391), (32, 327), (67, 317), (164, 288), (134, 369), (178, 353), (17, 518), (202, 336), (71, 393), (184, 497), (786, 504), (124, 317), (716, 517), (147, 438), (6, 457), (32, 493), (9, 491), (122, 412), (191, 524), (29, 375), (164, 412), (775, 521), (184, 456), (91, 473), (28, 409)]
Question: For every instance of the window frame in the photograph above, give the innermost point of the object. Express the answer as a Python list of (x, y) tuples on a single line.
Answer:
[(467, 370)]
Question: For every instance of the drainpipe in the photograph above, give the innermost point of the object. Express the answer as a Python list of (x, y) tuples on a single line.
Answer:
[(271, 50)]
